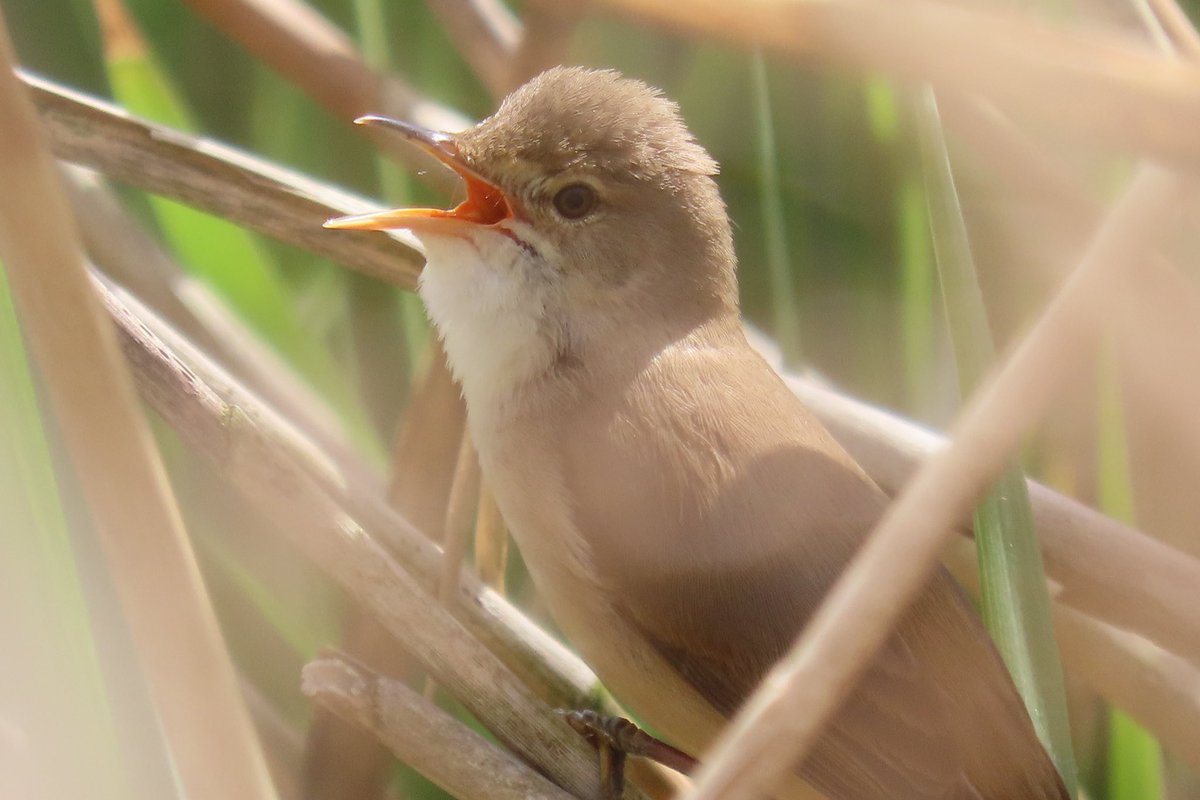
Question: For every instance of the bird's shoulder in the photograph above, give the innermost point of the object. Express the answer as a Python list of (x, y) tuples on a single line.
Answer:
[(704, 441), (719, 512), (716, 509)]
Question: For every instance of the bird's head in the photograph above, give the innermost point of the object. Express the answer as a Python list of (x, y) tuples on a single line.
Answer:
[(587, 201)]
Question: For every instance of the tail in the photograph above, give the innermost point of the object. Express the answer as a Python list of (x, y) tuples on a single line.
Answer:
[(1043, 785), (999, 753)]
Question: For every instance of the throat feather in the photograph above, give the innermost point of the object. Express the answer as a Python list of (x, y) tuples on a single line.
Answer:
[(491, 316)]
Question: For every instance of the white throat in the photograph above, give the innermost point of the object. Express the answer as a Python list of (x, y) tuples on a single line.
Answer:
[(490, 311)]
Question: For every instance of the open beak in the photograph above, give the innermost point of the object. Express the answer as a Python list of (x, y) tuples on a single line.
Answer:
[(485, 203)]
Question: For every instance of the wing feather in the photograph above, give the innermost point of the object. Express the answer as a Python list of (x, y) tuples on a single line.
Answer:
[(722, 554)]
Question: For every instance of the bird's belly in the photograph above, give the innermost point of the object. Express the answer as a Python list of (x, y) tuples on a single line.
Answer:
[(626, 664)]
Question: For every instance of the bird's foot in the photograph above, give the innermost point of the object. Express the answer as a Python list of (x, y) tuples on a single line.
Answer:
[(616, 737)]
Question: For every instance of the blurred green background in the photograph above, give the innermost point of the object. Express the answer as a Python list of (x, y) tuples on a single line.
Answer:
[(822, 173)]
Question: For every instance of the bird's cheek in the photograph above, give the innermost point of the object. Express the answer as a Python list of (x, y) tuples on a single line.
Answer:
[(529, 238)]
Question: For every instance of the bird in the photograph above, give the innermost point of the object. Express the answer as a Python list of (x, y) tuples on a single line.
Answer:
[(678, 508)]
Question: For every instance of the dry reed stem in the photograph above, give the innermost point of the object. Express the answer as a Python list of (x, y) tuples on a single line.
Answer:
[(239, 443), (459, 524), (1158, 333), (1157, 322), (281, 743), (781, 720), (342, 759), (134, 259), (425, 450), (545, 39), (190, 678), (460, 519), (218, 179), (485, 34), (1151, 26), (1017, 61), (425, 737), (120, 36), (1158, 689), (1160, 372), (125, 251), (491, 541), (1162, 483), (1101, 564), (1016, 162), (318, 57), (1179, 27), (119, 245)]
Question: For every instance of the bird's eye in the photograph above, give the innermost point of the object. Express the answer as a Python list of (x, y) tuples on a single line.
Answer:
[(575, 201)]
